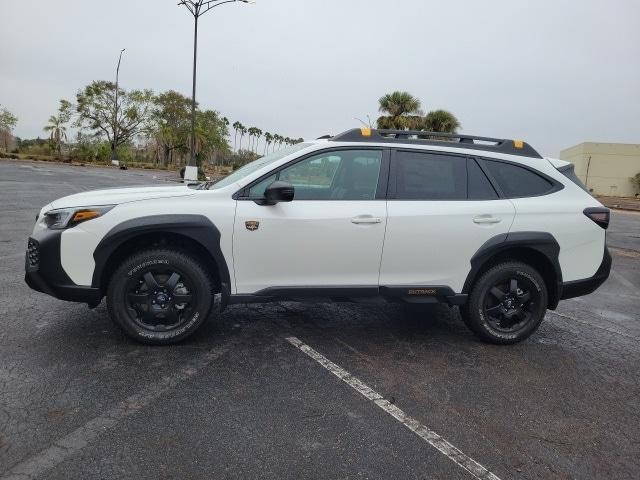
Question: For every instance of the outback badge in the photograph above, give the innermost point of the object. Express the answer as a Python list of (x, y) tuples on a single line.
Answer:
[(252, 225)]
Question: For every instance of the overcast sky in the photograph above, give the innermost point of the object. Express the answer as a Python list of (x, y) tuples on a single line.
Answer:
[(553, 72)]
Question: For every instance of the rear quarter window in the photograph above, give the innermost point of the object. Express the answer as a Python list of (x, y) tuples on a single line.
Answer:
[(516, 181), (569, 172)]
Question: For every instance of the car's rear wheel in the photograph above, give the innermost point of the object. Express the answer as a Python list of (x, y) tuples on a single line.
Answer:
[(507, 303), (160, 296)]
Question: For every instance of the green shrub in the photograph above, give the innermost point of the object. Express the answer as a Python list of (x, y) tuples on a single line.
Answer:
[(84, 151), (103, 152), (636, 181)]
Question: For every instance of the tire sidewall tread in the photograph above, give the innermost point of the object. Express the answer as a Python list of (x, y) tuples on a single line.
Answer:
[(116, 301)]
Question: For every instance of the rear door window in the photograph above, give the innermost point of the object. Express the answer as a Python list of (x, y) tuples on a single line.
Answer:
[(429, 176), (479, 186)]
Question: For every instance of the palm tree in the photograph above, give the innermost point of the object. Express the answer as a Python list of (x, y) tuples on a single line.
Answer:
[(236, 126), (440, 121), (243, 131), (268, 138), (251, 131), (258, 134), (401, 110), (225, 121), (199, 143), (276, 141), (58, 131)]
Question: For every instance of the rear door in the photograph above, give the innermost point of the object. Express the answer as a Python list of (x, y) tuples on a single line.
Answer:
[(441, 209)]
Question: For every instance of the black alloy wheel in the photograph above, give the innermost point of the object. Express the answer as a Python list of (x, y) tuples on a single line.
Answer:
[(160, 299), (161, 296), (507, 303)]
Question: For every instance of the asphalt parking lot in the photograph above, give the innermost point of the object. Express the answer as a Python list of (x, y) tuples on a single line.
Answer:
[(280, 391)]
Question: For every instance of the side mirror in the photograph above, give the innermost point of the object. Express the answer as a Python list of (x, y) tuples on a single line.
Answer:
[(278, 191)]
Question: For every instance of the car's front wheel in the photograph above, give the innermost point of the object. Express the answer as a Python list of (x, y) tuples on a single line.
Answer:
[(160, 296), (507, 303)]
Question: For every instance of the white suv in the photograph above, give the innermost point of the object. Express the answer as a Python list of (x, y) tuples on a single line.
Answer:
[(485, 224)]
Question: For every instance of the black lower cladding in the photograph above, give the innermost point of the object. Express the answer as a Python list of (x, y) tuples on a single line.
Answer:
[(194, 227), (43, 266), (44, 272), (402, 293), (578, 288)]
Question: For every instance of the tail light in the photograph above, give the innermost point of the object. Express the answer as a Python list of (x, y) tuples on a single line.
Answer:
[(600, 215)]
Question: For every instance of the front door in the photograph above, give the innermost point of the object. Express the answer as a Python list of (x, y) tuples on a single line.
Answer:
[(330, 235)]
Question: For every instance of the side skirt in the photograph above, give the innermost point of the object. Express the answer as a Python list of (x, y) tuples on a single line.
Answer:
[(392, 294)]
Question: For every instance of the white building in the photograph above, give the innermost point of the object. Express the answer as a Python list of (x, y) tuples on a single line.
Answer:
[(607, 168)]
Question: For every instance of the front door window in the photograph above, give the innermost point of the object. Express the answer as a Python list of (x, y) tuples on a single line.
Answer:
[(334, 175)]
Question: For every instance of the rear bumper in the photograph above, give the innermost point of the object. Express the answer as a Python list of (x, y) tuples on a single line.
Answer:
[(44, 272), (578, 288)]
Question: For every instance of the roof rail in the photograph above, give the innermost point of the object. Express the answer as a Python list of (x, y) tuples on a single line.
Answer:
[(473, 142)]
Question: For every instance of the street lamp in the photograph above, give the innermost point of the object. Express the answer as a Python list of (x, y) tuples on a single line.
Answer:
[(114, 155), (197, 9)]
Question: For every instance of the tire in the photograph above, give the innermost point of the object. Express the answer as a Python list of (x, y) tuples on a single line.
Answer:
[(160, 296), (506, 304)]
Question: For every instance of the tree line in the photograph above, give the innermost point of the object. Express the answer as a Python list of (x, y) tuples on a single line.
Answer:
[(156, 128), (271, 140), (8, 122), (145, 127), (161, 123)]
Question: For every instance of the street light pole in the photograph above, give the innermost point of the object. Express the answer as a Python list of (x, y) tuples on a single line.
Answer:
[(114, 155), (197, 9)]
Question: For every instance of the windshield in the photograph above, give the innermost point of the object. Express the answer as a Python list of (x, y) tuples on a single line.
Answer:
[(257, 164)]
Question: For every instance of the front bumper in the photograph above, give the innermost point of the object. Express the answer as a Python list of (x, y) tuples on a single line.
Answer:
[(44, 272), (578, 288)]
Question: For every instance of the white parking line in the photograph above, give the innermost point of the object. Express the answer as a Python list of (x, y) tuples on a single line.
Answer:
[(593, 325), (429, 436), (78, 439), (624, 281)]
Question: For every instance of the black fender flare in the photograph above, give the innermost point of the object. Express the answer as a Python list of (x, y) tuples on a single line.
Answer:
[(196, 227), (541, 242)]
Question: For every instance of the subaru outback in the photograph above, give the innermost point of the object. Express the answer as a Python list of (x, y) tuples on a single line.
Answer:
[(485, 224)]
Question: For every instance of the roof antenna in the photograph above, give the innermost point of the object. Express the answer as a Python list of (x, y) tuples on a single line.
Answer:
[(363, 123)]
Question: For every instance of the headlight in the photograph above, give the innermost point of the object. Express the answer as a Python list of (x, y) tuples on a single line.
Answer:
[(60, 218)]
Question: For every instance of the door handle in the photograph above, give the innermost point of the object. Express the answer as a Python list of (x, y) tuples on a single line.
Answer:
[(484, 219), (364, 219)]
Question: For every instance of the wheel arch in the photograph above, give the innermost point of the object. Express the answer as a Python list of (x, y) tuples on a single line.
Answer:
[(540, 250), (193, 234)]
